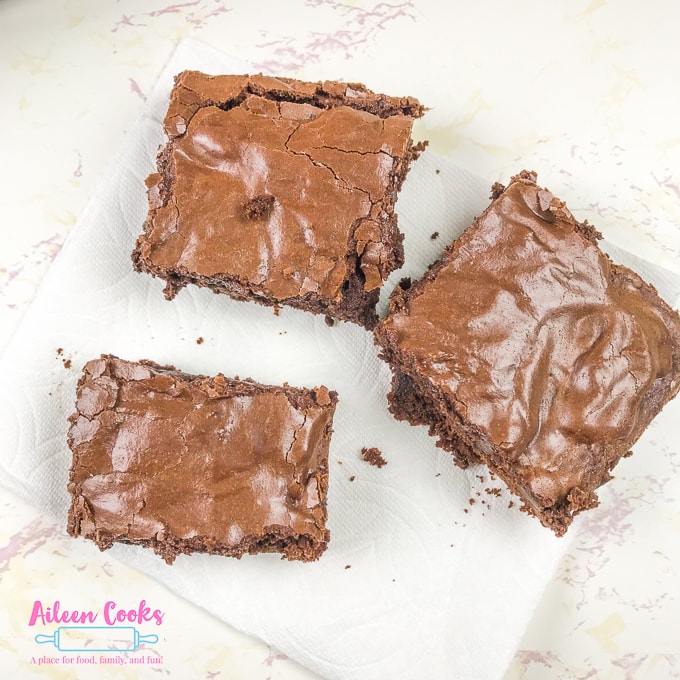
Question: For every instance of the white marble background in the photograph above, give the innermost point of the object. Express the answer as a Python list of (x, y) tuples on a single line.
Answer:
[(584, 92)]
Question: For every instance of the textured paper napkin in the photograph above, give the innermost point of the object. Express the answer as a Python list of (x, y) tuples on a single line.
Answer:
[(417, 581)]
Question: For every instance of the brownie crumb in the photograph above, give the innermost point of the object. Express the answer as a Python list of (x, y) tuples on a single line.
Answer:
[(199, 341), (405, 283), (510, 504), (373, 456), (471, 501), (493, 492), (66, 362), (434, 235), (352, 478), (496, 190), (348, 566), (260, 207), (322, 396), (437, 171), (330, 321)]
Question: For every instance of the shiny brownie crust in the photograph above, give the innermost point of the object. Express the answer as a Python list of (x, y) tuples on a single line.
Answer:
[(279, 191), (526, 349), (182, 463)]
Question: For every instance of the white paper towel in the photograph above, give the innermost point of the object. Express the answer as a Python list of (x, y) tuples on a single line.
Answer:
[(417, 581)]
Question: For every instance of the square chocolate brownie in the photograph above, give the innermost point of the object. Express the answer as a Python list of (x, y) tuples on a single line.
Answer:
[(183, 463), (279, 191), (526, 349)]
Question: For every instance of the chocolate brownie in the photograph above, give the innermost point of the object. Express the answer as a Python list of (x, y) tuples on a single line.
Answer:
[(183, 463), (279, 191), (526, 349)]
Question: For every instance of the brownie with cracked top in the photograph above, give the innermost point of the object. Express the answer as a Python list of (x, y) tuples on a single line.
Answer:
[(527, 349), (182, 463), (279, 191)]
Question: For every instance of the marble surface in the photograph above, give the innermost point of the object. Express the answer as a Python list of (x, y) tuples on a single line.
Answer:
[(584, 92)]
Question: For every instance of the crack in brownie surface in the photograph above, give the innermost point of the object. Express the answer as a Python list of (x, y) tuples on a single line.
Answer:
[(329, 158), (526, 343), (185, 463)]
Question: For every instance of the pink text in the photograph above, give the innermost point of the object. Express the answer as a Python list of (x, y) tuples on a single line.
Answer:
[(55, 614), (142, 614), (113, 614)]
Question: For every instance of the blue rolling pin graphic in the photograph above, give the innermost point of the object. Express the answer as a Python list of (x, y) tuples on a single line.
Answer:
[(96, 639)]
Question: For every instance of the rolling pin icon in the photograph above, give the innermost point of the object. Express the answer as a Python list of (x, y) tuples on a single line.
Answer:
[(96, 639)]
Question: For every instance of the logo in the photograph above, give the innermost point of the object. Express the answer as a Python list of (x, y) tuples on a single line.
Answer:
[(111, 641)]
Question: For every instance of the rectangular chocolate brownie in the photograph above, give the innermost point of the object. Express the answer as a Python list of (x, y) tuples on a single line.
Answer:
[(526, 349), (183, 463), (279, 191)]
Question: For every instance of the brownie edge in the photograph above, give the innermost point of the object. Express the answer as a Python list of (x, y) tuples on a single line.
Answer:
[(525, 348), (280, 192), (186, 463)]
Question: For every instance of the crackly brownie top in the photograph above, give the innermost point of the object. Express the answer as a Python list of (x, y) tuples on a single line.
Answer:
[(160, 452), (556, 358), (272, 181)]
